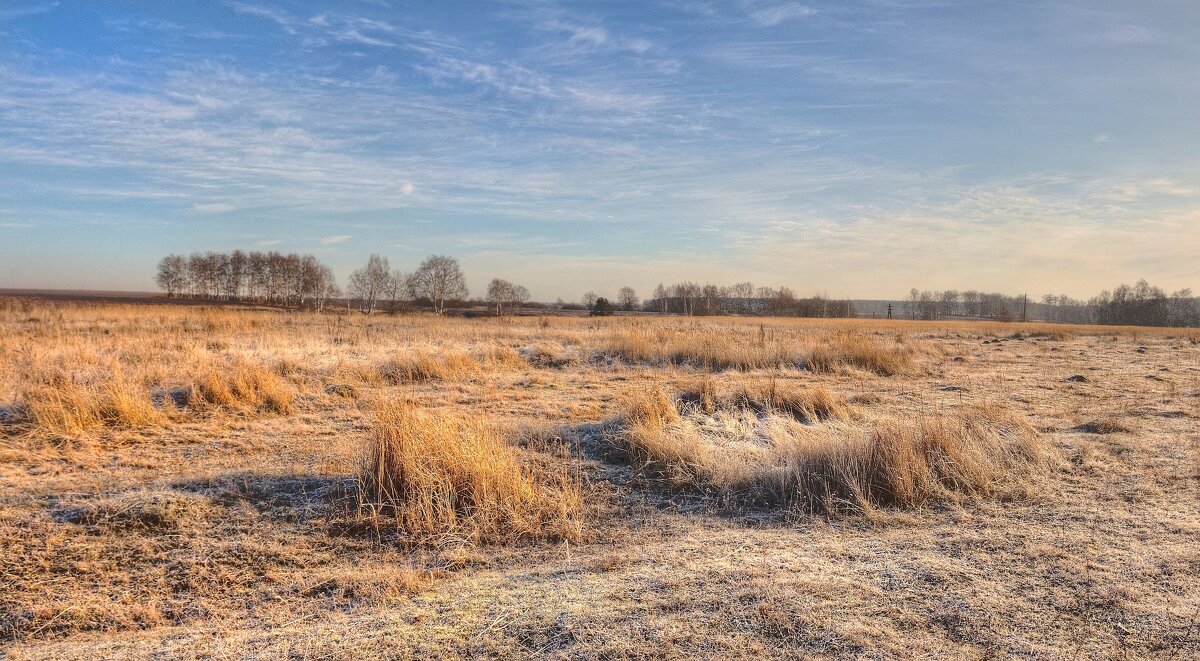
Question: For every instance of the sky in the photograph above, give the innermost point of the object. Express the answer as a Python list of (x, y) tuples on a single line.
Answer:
[(852, 148)]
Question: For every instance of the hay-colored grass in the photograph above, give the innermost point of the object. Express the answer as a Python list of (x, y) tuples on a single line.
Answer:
[(436, 474), (243, 386), (58, 404), (721, 349), (856, 350), (255, 546), (802, 452)]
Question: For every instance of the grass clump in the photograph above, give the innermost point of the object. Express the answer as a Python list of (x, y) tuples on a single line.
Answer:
[(1106, 425), (855, 350), (243, 386), (550, 355), (417, 366), (809, 405), (974, 452), (437, 474), (804, 450), (410, 368), (712, 349), (58, 404)]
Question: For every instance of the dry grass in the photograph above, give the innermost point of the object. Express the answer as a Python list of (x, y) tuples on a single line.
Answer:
[(139, 521), (747, 349), (744, 448), (978, 451), (243, 386), (57, 404), (56, 400), (148, 510), (415, 366), (552, 355), (814, 404), (855, 350), (410, 368), (437, 475)]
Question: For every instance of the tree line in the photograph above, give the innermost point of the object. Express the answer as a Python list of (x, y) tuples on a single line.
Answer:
[(694, 299), (304, 282), (272, 277), (438, 283), (929, 305), (1141, 304)]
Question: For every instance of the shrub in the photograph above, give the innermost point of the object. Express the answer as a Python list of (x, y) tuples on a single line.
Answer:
[(602, 308)]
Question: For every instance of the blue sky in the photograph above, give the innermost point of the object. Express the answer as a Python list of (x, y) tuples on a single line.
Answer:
[(857, 148)]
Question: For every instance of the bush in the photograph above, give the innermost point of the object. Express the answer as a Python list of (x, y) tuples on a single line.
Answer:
[(602, 308)]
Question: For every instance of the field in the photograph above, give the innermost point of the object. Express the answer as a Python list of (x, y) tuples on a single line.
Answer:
[(180, 482)]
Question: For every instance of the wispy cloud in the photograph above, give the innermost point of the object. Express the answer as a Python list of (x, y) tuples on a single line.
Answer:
[(213, 207), (16, 12), (676, 139), (775, 14), (274, 14)]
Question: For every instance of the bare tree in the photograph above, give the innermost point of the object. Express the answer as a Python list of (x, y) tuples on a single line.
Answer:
[(369, 284), (589, 300), (910, 303), (742, 292), (506, 296), (256, 278), (661, 295), (709, 300), (282, 279), (326, 289), (970, 299), (172, 275), (396, 291), (784, 301), (439, 279), (628, 298), (687, 292), (949, 303)]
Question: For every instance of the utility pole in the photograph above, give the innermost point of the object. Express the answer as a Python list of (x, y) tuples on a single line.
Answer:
[(889, 310), (1024, 308)]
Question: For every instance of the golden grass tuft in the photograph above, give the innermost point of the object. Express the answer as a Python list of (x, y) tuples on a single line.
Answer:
[(243, 386), (436, 474), (815, 404), (129, 404), (416, 368), (706, 348), (58, 404), (499, 356), (780, 460), (978, 451), (648, 439), (859, 351)]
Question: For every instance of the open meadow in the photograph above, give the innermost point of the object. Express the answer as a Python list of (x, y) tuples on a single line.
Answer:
[(181, 482)]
